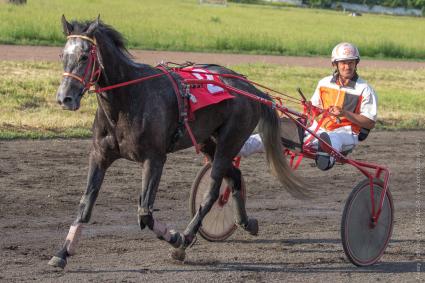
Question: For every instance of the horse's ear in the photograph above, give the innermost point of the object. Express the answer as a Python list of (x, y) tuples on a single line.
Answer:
[(93, 26), (67, 27)]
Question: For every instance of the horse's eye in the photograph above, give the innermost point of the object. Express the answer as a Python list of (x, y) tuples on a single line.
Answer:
[(84, 58)]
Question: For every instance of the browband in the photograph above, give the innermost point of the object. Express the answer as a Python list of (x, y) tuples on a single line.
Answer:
[(83, 37)]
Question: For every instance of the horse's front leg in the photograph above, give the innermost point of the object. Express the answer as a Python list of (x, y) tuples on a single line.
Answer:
[(96, 173), (152, 170)]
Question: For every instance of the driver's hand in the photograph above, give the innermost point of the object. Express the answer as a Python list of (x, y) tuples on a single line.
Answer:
[(335, 110)]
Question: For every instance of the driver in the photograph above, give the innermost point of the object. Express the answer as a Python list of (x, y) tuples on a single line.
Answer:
[(350, 100)]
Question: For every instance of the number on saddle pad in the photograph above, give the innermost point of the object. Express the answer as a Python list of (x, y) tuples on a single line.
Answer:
[(212, 88)]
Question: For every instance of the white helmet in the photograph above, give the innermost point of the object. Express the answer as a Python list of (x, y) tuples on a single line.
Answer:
[(345, 51)]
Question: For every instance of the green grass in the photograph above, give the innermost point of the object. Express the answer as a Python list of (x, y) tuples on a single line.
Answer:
[(185, 25), (28, 107)]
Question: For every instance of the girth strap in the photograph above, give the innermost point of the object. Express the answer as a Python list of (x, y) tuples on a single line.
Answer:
[(182, 104)]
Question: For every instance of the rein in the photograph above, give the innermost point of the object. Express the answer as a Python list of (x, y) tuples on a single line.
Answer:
[(90, 79), (97, 90)]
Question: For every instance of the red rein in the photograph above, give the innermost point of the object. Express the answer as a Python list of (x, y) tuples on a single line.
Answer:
[(93, 70)]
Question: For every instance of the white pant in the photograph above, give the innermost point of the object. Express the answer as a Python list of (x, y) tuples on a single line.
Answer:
[(341, 140), (253, 144)]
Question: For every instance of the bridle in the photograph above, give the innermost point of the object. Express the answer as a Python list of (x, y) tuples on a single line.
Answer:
[(92, 72)]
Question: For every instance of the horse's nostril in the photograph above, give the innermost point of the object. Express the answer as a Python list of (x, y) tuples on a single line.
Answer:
[(59, 102), (67, 99)]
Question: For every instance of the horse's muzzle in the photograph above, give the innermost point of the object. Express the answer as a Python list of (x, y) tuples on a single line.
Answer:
[(69, 102)]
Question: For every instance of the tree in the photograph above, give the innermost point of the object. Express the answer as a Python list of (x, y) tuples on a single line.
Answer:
[(18, 2)]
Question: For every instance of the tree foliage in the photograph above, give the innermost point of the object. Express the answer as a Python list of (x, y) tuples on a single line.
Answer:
[(18, 2), (417, 4)]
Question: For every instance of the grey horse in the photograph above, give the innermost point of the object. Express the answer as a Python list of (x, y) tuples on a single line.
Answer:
[(139, 122)]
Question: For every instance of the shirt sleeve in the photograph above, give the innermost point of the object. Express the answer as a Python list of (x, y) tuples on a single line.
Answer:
[(369, 104)]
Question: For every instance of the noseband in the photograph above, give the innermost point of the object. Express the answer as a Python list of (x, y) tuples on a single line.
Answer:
[(92, 72)]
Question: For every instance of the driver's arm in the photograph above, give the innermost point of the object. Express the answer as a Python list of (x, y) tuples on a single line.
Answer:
[(358, 119), (368, 110)]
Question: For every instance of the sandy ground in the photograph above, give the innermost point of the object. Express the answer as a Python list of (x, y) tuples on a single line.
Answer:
[(14, 52), (299, 241)]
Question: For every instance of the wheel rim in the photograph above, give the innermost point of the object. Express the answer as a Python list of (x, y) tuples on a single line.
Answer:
[(219, 222), (365, 243)]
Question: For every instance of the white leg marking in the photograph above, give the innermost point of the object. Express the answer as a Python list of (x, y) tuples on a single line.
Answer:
[(73, 237), (161, 230)]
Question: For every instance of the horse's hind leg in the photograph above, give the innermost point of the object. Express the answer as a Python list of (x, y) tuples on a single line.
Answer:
[(221, 167), (96, 174), (208, 149), (234, 180)]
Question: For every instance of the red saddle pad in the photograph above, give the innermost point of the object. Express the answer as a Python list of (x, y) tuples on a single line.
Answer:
[(206, 94)]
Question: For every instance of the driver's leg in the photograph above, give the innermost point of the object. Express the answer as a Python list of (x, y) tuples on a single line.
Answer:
[(343, 141), (253, 144), (324, 160), (339, 141)]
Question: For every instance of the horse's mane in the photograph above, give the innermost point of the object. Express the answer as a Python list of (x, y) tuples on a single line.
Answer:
[(108, 38)]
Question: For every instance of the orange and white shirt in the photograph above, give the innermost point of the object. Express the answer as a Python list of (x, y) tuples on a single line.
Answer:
[(357, 96)]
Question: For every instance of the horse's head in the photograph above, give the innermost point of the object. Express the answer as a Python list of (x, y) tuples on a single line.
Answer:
[(80, 62)]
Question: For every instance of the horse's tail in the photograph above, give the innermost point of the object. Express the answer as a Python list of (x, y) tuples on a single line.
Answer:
[(270, 134)]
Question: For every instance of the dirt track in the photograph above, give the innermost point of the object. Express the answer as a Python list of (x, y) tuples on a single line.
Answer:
[(12, 52), (42, 181)]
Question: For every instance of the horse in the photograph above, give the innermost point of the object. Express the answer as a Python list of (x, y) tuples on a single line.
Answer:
[(139, 122)]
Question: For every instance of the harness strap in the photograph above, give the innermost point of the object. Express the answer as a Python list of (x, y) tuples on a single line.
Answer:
[(312, 113), (297, 157), (300, 158), (311, 137), (183, 111)]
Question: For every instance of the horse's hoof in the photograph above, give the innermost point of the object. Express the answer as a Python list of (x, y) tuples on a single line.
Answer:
[(141, 225), (57, 262), (177, 239), (178, 254), (252, 226)]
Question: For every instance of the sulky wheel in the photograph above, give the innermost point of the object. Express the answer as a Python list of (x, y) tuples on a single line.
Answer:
[(219, 223), (363, 242)]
